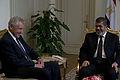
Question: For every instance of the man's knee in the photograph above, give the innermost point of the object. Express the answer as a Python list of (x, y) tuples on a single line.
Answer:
[(89, 69), (52, 65), (86, 71), (46, 75), (111, 74)]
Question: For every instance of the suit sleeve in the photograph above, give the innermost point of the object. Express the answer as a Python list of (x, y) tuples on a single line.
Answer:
[(117, 51), (84, 50), (11, 57)]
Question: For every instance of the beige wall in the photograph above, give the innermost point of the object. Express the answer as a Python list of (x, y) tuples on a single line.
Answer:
[(4, 13), (75, 12), (118, 9), (100, 8)]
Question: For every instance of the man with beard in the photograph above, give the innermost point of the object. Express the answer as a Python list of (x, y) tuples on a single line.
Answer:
[(100, 53)]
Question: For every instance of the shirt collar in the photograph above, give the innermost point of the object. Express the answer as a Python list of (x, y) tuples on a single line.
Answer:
[(105, 34), (12, 35)]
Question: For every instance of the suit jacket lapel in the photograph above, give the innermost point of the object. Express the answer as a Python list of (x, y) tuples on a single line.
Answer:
[(95, 43), (15, 44), (24, 45), (12, 40), (106, 43)]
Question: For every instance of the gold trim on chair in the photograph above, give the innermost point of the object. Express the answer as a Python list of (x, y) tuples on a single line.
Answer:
[(2, 31), (108, 29), (112, 31)]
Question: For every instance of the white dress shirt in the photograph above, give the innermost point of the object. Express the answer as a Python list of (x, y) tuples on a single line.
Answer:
[(15, 39), (103, 52)]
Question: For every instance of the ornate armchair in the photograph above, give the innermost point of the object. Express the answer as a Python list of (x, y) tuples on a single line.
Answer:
[(1, 33), (1, 72), (90, 31)]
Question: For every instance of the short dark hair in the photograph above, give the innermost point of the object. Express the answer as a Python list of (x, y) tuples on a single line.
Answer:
[(101, 19)]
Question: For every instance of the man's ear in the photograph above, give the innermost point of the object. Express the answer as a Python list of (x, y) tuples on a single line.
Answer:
[(11, 26), (107, 26)]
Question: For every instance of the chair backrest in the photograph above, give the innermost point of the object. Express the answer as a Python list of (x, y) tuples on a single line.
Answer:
[(108, 29), (1, 34)]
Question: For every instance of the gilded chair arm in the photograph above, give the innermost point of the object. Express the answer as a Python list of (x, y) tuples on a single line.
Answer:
[(78, 67)]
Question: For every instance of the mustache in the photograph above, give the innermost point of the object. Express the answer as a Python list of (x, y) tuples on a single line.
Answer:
[(99, 30), (19, 33)]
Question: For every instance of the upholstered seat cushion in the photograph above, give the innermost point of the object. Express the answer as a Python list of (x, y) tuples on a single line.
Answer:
[(18, 79), (5, 78)]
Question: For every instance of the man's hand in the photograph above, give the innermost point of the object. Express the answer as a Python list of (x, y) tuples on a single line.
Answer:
[(115, 66), (40, 64), (40, 61), (85, 63)]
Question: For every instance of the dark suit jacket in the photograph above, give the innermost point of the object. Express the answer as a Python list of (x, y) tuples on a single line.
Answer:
[(111, 47), (11, 55)]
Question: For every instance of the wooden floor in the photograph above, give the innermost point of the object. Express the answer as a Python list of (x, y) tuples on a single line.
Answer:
[(71, 62)]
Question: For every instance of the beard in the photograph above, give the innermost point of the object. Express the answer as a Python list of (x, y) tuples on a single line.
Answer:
[(100, 32)]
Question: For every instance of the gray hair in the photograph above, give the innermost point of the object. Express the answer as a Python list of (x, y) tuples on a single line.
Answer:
[(15, 20)]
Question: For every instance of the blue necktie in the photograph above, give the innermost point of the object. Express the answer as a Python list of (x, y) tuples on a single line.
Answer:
[(23, 50)]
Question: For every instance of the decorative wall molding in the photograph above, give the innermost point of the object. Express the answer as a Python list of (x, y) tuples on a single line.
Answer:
[(75, 15)]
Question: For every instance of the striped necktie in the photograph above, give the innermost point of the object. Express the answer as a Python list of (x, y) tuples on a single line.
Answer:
[(23, 50)]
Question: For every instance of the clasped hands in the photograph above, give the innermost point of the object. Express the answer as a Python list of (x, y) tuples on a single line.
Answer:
[(40, 64), (86, 63)]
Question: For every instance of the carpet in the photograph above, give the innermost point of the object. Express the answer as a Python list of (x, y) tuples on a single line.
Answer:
[(71, 74)]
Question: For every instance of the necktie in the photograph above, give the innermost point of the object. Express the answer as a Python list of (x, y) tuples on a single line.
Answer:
[(23, 50), (21, 46), (99, 52)]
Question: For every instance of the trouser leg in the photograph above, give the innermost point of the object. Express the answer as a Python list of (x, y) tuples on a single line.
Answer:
[(106, 71), (86, 71), (38, 73), (51, 71), (110, 74), (54, 68)]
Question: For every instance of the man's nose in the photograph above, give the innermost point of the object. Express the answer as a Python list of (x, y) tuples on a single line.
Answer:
[(21, 31), (97, 27)]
